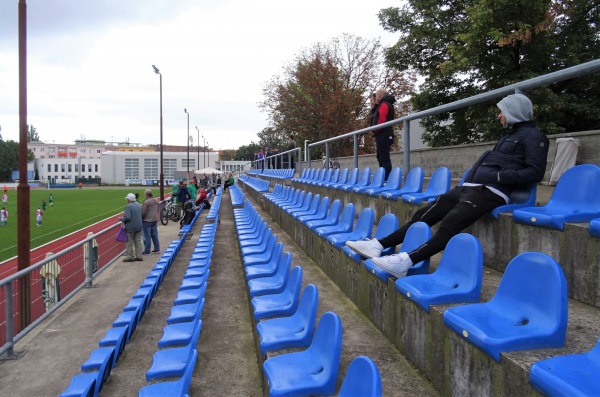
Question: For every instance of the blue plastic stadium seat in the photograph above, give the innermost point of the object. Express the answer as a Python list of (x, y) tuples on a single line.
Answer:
[(313, 371), (576, 198), (528, 311), (376, 183), (362, 230), (280, 304), (363, 180), (412, 184), (394, 182), (573, 375), (342, 177), (263, 257), (172, 362), (344, 224), (90, 383), (266, 269), (303, 206), (331, 219), (439, 183), (186, 313), (351, 180), (521, 197), (387, 224), (191, 295), (273, 284), (595, 227), (418, 234), (178, 334), (362, 379), (319, 214), (175, 388), (294, 331), (311, 209), (457, 278)]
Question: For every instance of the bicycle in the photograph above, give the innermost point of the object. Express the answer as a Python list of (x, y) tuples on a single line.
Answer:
[(332, 164), (169, 212)]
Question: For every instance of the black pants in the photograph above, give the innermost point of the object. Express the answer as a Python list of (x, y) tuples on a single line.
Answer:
[(456, 210), (384, 145)]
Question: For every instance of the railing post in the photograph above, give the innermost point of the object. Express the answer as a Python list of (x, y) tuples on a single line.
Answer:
[(88, 266), (355, 151), (406, 146), (326, 155), (10, 352), (307, 155)]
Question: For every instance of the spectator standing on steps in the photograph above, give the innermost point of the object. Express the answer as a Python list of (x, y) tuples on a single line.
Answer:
[(150, 213), (384, 137), (518, 158), (132, 221)]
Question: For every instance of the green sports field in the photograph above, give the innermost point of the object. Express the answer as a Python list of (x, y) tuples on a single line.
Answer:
[(73, 209)]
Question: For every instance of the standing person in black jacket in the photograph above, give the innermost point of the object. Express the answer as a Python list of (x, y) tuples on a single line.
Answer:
[(518, 158), (384, 137)]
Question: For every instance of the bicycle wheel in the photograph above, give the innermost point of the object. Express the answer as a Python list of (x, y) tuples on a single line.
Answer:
[(336, 165), (175, 217), (164, 219)]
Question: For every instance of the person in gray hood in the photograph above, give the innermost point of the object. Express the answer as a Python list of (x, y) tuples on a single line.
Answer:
[(518, 158)]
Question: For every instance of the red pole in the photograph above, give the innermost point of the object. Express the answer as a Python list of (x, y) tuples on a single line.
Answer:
[(23, 198)]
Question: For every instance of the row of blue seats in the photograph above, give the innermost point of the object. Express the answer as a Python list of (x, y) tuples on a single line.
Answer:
[(576, 197), (237, 196), (98, 366), (532, 279), (215, 206), (177, 352), (277, 173), (260, 185), (287, 320)]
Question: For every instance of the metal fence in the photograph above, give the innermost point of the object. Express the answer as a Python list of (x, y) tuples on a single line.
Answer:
[(53, 281), (283, 160)]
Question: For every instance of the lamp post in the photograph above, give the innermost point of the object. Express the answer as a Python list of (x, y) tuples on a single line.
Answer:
[(162, 176), (188, 143), (204, 150), (198, 146), (208, 152)]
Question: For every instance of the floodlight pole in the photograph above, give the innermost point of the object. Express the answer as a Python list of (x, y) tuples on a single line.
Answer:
[(198, 147), (188, 143), (162, 175), (204, 151)]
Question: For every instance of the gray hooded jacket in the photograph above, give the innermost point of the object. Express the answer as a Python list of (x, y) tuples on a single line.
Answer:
[(520, 155)]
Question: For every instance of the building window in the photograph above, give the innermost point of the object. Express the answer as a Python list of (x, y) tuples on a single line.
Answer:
[(70, 168), (151, 168), (96, 167), (169, 168), (62, 168), (89, 168), (55, 167), (132, 168), (184, 163), (49, 167), (82, 167), (76, 167)]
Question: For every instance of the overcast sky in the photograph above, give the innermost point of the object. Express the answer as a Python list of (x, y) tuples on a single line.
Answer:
[(90, 63)]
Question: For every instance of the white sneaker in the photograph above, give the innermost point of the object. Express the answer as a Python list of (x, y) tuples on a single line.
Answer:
[(397, 265), (367, 247)]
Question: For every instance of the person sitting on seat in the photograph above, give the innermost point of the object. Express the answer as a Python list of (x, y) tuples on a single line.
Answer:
[(518, 158), (201, 197)]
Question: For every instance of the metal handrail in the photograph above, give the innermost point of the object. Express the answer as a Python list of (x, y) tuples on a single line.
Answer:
[(7, 350), (289, 157), (554, 77)]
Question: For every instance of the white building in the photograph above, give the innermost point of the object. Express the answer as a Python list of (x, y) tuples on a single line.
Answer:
[(144, 167), (62, 163), (235, 166)]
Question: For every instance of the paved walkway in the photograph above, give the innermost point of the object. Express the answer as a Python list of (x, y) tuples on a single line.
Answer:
[(227, 363)]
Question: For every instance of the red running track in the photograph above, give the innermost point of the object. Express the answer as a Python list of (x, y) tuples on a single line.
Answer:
[(9, 267)]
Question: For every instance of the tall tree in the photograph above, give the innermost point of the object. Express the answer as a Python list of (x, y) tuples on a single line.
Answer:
[(323, 92), (32, 135), (465, 47)]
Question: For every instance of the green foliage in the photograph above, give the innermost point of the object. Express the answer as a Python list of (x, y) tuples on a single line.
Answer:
[(73, 209), (324, 92), (246, 152), (32, 135), (465, 47), (9, 158)]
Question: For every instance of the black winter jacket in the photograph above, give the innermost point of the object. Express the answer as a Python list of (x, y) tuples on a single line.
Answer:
[(519, 158)]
